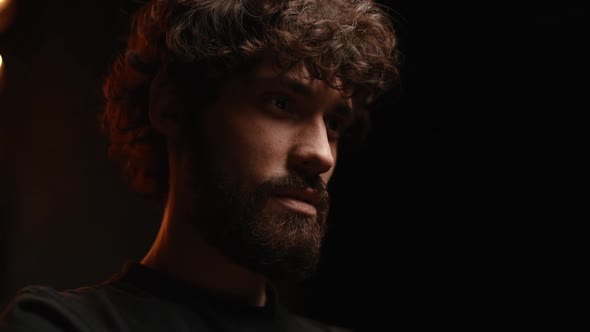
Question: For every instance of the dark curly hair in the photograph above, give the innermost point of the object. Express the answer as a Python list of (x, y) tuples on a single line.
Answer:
[(348, 43)]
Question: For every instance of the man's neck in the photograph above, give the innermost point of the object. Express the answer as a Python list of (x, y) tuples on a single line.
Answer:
[(181, 252)]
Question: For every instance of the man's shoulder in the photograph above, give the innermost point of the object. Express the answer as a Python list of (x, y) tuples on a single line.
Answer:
[(60, 297), (80, 300), (37, 308), (43, 308), (110, 306), (36, 297)]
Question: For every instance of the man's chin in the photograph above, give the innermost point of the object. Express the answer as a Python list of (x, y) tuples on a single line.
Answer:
[(293, 268), (280, 241), (289, 251)]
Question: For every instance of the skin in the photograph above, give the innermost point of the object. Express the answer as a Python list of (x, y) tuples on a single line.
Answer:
[(264, 125)]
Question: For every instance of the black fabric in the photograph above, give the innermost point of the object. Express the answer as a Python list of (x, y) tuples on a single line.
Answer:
[(142, 299)]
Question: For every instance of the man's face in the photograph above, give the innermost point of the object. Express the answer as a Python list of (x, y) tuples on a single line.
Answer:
[(260, 162)]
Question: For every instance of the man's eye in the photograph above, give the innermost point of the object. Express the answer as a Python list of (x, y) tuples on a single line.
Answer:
[(334, 125), (280, 103)]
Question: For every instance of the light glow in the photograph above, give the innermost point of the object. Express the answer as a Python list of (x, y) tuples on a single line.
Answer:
[(7, 10), (1, 73)]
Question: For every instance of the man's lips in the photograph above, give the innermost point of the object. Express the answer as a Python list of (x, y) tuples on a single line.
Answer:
[(305, 201), (297, 205)]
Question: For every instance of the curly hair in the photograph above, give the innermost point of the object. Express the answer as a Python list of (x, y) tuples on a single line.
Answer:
[(350, 44)]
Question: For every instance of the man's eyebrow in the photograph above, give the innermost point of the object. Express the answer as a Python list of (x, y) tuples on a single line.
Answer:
[(299, 88), (294, 85)]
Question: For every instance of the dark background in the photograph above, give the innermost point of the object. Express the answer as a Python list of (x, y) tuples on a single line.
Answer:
[(441, 216)]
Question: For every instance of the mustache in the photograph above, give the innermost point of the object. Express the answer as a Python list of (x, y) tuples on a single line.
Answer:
[(299, 182), (295, 182)]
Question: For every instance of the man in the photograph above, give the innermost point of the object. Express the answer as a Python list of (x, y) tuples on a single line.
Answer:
[(231, 113)]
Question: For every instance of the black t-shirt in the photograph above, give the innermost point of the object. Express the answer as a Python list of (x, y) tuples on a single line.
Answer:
[(142, 299)]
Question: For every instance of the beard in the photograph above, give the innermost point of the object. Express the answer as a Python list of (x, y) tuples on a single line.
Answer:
[(278, 243)]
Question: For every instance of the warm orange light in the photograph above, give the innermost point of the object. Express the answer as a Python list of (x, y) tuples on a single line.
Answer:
[(7, 13), (4, 4), (1, 69), (1, 73)]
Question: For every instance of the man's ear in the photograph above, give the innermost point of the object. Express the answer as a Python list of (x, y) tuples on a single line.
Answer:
[(166, 106)]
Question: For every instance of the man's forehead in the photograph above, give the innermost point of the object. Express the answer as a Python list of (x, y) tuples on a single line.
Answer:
[(296, 78), (268, 69)]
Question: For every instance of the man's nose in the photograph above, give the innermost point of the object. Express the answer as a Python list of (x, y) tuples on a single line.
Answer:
[(312, 152)]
